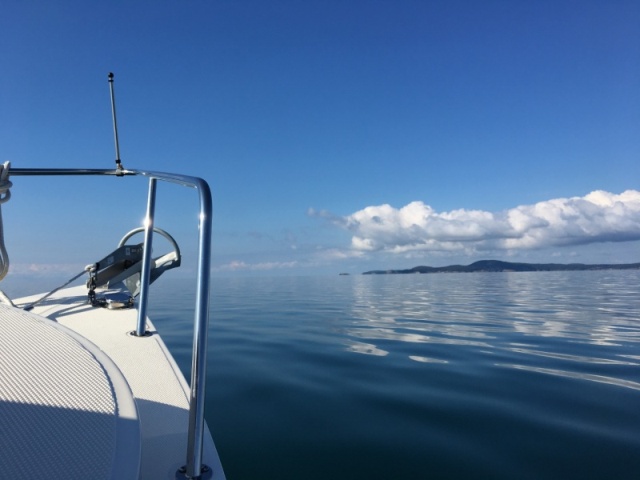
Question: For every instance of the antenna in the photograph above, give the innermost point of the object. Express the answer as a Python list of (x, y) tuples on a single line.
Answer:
[(115, 125)]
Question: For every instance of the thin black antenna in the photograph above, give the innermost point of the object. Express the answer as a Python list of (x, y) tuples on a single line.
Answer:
[(115, 124)]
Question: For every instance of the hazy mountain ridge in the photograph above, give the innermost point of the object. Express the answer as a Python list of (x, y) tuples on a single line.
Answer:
[(500, 266)]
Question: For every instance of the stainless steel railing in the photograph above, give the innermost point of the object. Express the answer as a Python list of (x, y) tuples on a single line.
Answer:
[(194, 466)]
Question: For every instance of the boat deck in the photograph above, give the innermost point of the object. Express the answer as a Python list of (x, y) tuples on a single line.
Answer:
[(143, 368)]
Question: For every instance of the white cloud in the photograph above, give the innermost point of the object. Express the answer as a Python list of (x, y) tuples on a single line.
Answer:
[(597, 217), (336, 254), (239, 266)]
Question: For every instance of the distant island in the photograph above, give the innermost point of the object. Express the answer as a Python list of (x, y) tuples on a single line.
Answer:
[(498, 266)]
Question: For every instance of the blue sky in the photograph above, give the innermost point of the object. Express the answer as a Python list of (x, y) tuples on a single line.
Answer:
[(336, 135)]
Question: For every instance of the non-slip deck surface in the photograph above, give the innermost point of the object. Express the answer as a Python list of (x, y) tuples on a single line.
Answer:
[(64, 410), (159, 389)]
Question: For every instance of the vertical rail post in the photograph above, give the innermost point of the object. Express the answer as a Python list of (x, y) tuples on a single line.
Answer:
[(146, 259), (195, 467)]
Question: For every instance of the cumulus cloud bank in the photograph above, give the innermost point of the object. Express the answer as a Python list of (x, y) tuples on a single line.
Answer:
[(597, 217)]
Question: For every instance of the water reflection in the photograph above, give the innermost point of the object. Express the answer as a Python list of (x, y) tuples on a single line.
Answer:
[(572, 358), (577, 318), (390, 334), (366, 348), (418, 358), (584, 376)]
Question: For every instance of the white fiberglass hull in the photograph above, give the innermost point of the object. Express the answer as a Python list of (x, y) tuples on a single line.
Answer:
[(150, 397)]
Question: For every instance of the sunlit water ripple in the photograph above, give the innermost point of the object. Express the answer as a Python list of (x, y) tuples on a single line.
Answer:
[(484, 375)]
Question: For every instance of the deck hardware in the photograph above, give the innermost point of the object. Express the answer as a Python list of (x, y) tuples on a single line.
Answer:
[(206, 473), (147, 333), (146, 257), (5, 195), (201, 316)]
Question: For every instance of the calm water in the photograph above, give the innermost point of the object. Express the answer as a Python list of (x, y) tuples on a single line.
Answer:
[(497, 375)]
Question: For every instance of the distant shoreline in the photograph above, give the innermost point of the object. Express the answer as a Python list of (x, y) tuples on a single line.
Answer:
[(499, 266)]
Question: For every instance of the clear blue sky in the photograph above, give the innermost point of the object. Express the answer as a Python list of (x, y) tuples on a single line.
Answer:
[(336, 135)]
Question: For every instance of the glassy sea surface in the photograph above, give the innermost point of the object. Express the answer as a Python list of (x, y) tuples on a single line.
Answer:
[(485, 375)]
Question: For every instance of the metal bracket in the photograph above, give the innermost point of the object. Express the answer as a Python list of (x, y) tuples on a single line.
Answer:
[(206, 473)]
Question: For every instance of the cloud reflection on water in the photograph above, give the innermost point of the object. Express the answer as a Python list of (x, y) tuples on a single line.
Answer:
[(579, 318), (366, 348), (584, 376)]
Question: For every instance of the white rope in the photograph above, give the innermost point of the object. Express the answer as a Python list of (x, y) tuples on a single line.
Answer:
[(5, 195)]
